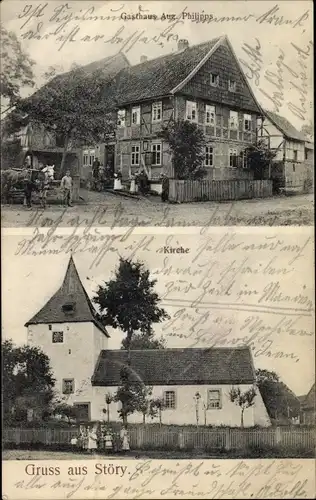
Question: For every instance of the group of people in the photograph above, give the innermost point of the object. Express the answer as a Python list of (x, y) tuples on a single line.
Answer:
[(101, 438)]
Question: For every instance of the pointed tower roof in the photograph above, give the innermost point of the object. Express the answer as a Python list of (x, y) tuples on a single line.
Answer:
[(70, 304)]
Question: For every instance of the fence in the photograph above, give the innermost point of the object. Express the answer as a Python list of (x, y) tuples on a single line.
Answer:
[(207, 190), (165, 437)]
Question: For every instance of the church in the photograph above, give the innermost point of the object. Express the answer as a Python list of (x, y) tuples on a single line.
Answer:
[(190, 381)]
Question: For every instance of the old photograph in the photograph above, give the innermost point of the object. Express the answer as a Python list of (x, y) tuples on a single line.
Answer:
[(170, 346), (171, 114)]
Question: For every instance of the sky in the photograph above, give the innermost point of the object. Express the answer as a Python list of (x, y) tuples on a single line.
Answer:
[(192, 288), (280, 72)]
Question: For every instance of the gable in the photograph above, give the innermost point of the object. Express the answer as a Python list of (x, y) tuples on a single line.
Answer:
[(223, 63)]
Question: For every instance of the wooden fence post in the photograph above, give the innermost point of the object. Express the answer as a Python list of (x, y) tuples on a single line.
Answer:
[(139, 437), (181, 440), (278, 436), (227, 439)]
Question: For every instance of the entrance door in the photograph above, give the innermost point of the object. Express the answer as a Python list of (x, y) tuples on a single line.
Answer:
[(83, 411), (109, 158)]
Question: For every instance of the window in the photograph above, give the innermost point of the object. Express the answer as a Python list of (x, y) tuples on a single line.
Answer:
[(88, 157), (69, 307), (247, 122), (214, 80), (233, 120), (83, 411), (208, 156), (243, 159), (156, 111), (191, 112), (233, 158), (57, 337), (295, 153), (68, 386), (169, 399), (210, 115), (306, 154), (121, 115), (156, 151), (231, 85), (135, 155), (214, 399), (135, 116)]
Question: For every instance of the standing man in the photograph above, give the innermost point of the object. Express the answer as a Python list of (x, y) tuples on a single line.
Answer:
[(66, 186)]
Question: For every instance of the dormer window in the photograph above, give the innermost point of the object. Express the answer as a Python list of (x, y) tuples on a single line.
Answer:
[(191, 111), (231, 85), (214, 80), (121, 116), (69, 307), (136, 116)]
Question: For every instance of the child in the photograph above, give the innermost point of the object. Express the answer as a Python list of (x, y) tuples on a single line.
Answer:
[(66, 186)]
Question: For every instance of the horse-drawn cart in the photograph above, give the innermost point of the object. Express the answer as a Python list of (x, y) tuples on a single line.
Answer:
[(15, 181)]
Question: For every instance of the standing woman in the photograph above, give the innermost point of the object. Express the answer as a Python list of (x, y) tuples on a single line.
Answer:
[(92, 440), (124, 440)]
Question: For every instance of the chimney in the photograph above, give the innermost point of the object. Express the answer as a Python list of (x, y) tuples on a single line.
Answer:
[(143, 59), (183, 44)]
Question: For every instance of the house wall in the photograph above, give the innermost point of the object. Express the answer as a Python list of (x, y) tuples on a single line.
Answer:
[(143, 135), (74, 358), (185, 411)]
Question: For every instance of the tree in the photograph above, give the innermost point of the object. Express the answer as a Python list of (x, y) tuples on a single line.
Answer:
[(78, 106), (259, 159), (16, 68), (308, 130), (157, 406), (242, 399), (280, 402), (27, 379), (64, 410), (144, 341), (129, 302), (187, 143)]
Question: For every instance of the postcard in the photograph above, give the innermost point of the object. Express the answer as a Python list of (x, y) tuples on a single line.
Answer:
[(137, 104)]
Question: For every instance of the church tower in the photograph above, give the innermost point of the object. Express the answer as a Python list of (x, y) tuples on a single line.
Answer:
[(68, 331)]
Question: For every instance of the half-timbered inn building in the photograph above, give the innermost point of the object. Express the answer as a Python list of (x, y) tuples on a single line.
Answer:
[(203, 84), (86, 369)]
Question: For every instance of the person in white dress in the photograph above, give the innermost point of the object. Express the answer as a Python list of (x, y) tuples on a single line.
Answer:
[(124, 439), (118, 180), (92, 440)]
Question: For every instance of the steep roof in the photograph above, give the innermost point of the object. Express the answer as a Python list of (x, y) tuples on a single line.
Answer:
[(177, 366), (158, 77), (69, 304), (167, 75), (310, 399), (285, 126)]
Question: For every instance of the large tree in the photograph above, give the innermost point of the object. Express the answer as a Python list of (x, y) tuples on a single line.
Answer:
[(27, 380), (187, 147), (16, 68), (260, 159), (129, 302), (280, 401), (77, 106)]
